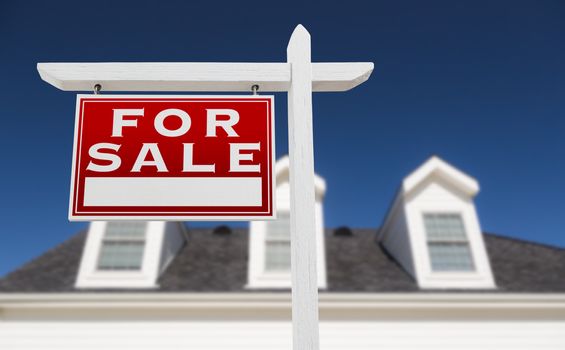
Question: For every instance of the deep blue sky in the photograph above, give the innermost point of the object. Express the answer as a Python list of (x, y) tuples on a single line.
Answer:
[(480, 83)]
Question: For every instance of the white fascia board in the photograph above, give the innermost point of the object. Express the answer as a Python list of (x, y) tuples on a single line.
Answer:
[(332, 306), (439, 167), (404, 300)]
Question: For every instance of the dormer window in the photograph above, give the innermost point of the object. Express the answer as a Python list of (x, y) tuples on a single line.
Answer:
[(277, 244), (269, 241), (123, 246), (433, 231), (128, 254), (448, 245)]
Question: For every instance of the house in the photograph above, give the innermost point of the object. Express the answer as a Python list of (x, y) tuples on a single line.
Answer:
[(429, 278)]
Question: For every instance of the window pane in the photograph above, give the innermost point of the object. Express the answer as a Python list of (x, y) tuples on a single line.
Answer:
[(277, 256), (125, 230), (450, 256), (447, 243), (121, 255), (444, 227), (277, 244), (123, 246)]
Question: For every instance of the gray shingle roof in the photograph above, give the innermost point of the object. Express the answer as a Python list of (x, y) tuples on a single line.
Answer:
[(213, 262)]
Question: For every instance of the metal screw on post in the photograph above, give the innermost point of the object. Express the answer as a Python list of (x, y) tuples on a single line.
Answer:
[(97, 89), (255, 89)]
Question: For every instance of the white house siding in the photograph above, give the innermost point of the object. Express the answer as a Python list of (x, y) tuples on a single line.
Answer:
[(213, 334), (173, 240), (396, 238)]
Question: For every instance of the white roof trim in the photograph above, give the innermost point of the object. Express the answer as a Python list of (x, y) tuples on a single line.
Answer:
[(332, 300), (281, 170), (137, 297), (438, 167)]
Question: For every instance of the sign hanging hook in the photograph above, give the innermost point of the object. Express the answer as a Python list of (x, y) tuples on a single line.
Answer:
[(97, 89), (255, 89)]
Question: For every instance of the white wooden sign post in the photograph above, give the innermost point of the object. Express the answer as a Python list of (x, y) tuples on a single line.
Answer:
[(302, 215), (299, 76)]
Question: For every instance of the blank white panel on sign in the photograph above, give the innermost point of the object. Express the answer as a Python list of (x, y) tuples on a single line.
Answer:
[(172, 191)]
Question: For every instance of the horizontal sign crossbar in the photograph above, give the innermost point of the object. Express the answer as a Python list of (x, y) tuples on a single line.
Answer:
[(180, 76)]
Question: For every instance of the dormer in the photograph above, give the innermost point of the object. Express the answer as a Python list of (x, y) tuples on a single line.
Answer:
[(433, 231), (128, 254), (269, 241)]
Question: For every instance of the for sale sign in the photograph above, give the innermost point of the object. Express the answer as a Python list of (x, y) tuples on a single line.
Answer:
[(173, 158)]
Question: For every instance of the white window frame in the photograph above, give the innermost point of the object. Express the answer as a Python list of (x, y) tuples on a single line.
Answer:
[(269, 239), (89, 276), (464, 241), (258, 276), (479, 278), (106, 239)]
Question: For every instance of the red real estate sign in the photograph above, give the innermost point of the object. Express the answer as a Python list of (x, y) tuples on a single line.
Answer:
[(173, 158)]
